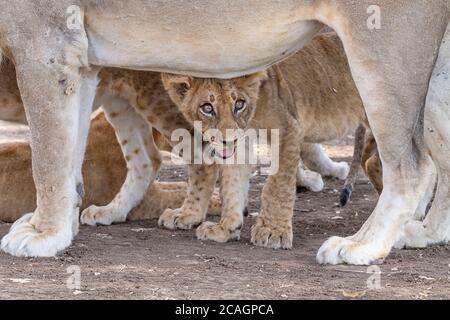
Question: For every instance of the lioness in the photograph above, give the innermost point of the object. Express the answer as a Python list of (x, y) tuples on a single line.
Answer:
[(57, 46)]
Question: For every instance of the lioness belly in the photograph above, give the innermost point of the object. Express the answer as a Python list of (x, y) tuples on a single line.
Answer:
[(221, 41)]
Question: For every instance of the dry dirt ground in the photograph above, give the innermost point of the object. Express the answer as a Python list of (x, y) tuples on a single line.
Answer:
[(141, 261)]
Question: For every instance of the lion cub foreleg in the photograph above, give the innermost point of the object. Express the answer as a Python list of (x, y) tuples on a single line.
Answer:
[(273, 227), (202, 180), (143, 162), (233, 191)]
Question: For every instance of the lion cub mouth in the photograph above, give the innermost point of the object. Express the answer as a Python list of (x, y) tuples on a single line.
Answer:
[(226, 150)]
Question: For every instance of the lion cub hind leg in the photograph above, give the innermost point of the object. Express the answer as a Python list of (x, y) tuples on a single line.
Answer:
[(143, 163), (316, 159), (162, 195), (234, 190), (202, 179), (308, 179), (159, 197)]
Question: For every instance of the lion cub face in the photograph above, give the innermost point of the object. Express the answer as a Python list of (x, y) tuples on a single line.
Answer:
[(222, 106)]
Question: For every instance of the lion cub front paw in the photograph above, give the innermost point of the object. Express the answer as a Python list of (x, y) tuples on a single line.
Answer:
[(272, 234), (104, 216), (179, 219), (217, 232)]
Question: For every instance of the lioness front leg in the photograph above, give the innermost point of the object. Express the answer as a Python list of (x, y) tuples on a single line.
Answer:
[(202, 180), (51, 78), (234, 191), (273, 227), (394, 107), (143, 161)]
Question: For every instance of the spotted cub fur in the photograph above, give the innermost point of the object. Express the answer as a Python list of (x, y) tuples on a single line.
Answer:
[(309, 98)]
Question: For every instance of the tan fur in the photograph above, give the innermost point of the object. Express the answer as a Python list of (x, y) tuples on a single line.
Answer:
[(11, 107), (104, 172), (371, 163)]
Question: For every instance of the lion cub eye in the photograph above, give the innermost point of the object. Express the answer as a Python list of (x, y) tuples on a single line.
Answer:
[(239, 106), (208, 110)]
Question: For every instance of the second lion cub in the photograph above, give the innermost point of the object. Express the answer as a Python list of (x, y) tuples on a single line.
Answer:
[(310, 98)]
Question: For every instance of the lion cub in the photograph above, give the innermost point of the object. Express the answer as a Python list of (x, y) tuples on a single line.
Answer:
[(310, 98)]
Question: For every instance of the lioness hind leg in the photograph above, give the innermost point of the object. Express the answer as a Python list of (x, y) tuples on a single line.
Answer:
[(53, 110), (374, 172), (308, 179), (234, 190), (435, 229), (143, 161)]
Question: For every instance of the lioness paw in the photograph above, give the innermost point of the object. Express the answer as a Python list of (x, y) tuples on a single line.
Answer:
[(272, 235), (179, 219), (338, 250), (217, 232), (23, 240)]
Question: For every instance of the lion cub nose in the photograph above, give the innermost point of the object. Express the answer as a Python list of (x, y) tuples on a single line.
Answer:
[(225, 142)]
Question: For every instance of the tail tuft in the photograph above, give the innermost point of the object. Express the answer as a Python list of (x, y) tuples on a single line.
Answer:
[(345, 195)]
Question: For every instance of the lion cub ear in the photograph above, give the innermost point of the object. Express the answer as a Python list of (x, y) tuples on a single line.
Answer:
[(177, 86), (254, 81)]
